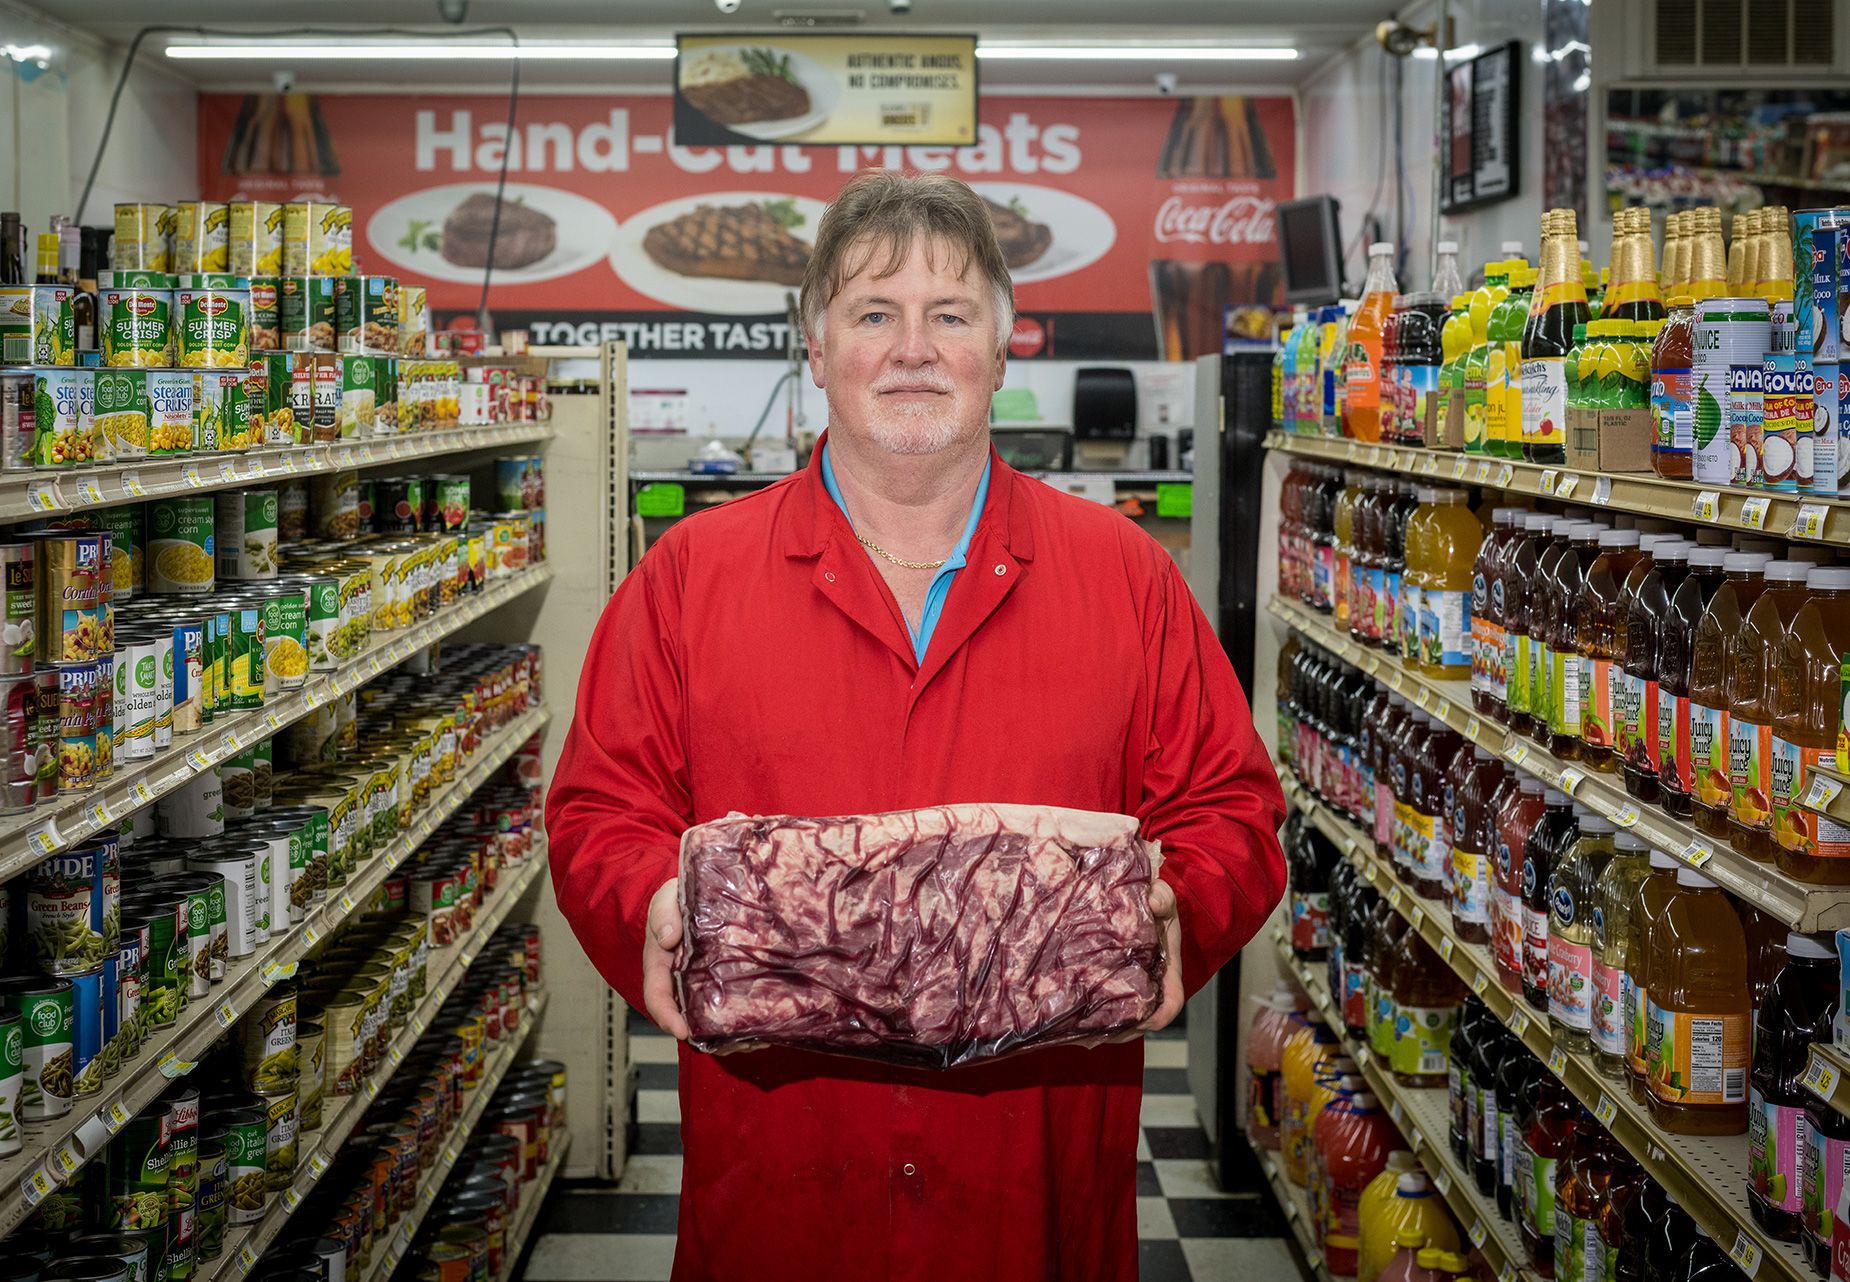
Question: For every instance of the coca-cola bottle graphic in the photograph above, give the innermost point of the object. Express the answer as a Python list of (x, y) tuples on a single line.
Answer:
[(1213, 234)]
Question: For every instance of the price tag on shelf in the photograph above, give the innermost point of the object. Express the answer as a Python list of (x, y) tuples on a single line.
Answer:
[(99, 814), (1820, 1077), (1809, 523), (378, 664), (1483, 471), (1478, 1233), (1707, 505), (343, 457), (142, 792), (226, 1014), (192, 476), (247, 1259), (289, 463), (1505, 475), (1424, 698), (346, 903), (1697, 853), (311, 936), (35, 1187), (67, 1160), (1822, 791), (44, 839), (1361, 1055), (199, 759), (131, 484), (89, 490), (231, 741), (43, 496), (115, 1117), (1518, 753), (1627, 815), (1569, 484), (311, 698), (1395, 1111), (1429, 465), (276, 972), (1572, 778), (1447, 948), (1557, 1061), (1507, 1273), (1371, 457), (1417, 917), (1519, 1021), (1744, 1253), (274, 720), (1414, 1137), (317, 1166), (372, 1090), (1472, 727), (366, 454), (171, 1065), (1607, 1110), (1443, 710), (1459, 467), (1372, 874), (1443, 1182), (291, 1199), (1479, 982), (1753, 512), (1394, 897), (396, 1055), (1549, 477), (227, 470), (1602, 491)]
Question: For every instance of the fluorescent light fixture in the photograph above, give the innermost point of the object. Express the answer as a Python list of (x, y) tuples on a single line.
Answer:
[(1138, 53), (29, 53), (1457, 53), (431, 51)]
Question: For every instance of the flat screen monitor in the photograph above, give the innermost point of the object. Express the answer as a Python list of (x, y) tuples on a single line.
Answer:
[(1310, 244)]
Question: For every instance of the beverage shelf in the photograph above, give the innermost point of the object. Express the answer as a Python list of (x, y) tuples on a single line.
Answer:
[(445, 970), (532, 1199), (1827, 1075), (1295, 1205), (28, 837), (1805, 517), (1806, 908), (26, 494), (1705, 1175), (54, 1151), (1421, 1115)]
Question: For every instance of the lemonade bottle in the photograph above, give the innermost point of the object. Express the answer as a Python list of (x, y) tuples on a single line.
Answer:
[(1474, 367), (1808, 692), (1573, 902), (1503, 364), (1454, 347), (1711, 795), (1599, 624), (1648, 902), (1614, 938), (1675, 641), (1697, 1011), (1796, 1012), (1362, 350), (1374, 1232), (1305, 1052), (1446, 557), (1753, 653)]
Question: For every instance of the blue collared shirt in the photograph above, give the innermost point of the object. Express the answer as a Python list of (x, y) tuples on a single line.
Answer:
[(941, 581)]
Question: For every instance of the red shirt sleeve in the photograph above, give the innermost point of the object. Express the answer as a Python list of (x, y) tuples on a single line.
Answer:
[(620, 798), (1210, 794)]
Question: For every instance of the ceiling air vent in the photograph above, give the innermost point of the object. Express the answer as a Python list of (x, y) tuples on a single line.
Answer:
[(1676, 33), (1720, 36), (1745, 34)]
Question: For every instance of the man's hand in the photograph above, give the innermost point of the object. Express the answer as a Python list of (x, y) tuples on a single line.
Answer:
[(664, 936), (1169, 938)]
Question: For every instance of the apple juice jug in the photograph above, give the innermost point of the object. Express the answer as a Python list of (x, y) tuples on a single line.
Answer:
[(1808, 697), (1675, 643), (1573, 902), (1600, 624), (1753, 654), (1697, 1011), (1648, 902), (1614, 938), (1712, 792)]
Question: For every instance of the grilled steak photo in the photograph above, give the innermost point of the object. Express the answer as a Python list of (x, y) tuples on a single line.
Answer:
[(525, 236), (925, 937), (736, 242), (748, 100), (1022, 240)]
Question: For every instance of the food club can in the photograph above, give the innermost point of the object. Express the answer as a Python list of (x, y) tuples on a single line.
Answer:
[(181, 545), (122, 413), (12, 1082), (63, 433), (143, 239), (246, 534), (285, 639), (38, 325), (135, 317), (246, 1162), (43, 1005)]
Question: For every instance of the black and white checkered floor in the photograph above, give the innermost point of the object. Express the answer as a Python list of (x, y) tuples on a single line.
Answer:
[(1190, 1231)]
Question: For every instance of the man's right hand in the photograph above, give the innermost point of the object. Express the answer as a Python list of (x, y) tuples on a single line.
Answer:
[(664, 936)]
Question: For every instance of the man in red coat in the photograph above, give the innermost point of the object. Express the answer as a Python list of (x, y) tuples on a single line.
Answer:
[(908, 622)]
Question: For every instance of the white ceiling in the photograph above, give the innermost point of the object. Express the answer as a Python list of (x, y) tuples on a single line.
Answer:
[(1318, 28)]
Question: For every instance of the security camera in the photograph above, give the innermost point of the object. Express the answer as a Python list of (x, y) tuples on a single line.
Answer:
[(1399, 39), (453, 11), (1165, 82), (283, 80), (727, 6)]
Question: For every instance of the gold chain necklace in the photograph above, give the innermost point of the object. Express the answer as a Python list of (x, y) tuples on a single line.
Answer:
[(871, 546)]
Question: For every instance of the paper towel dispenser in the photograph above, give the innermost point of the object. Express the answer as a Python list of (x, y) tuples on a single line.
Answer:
[(1104, 404)]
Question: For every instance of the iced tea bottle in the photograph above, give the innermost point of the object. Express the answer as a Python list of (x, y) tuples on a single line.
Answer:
[(1343, 527), (1517, 573), (1697, 1010), (1549, 841), (1362, 354), (1426, 998), (1582, 1174), (1599, 625), (1636, 688), (1452, 537), (1711, 792), (1487, 611), (1515, 822), (1573, 902), (1615, 938), (1648, 902), (1808, 699), (1797, 1012), (1753, 652), (1567, 683), (1675, 642), (1472, 871), (1560, 304), (1548, 1129)]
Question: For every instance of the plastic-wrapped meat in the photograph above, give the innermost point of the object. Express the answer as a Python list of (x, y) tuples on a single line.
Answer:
[(927, 937)]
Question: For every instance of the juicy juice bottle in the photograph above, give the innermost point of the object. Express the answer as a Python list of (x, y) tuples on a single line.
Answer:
[(1675, 642), (1599, 624), (1797, 1012), (1573, 899), (1517, 574), (1753, 653), (1361, 366), (1560, 303), (1637, 689), (1515, 821), (1712, 792), (1807, 729), (1615, 937), (1825, 1158), (1696, 964)]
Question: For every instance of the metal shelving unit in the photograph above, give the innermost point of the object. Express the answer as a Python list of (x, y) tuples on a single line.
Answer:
[(28, 494), (1296, 1207), (532, 1198)]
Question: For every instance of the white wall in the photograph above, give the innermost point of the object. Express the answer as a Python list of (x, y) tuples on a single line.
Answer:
[(1346, 118)]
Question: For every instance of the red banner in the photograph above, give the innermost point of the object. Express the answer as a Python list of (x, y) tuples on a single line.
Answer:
[(1130, 225)]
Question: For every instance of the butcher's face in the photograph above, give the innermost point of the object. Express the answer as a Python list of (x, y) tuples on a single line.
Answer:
[(909, 360)]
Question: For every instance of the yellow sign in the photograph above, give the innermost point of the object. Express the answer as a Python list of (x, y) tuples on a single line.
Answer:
[(849, 90)]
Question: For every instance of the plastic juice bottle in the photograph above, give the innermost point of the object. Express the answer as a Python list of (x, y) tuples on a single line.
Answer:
[(1454, 347), (1412, 1261), (1389, 371), (1354, 1137), (1307, 402), (1560, 303), (1343, 521), (1548, 1127), (1358, 937), (1615, 939), (1486, 1141), (1599, 625), (1567, 684), (1452, 537), (1309, 869), (1278, 379), (1323, 540), (1712, 793), (1624, 1192), (1475, 364), (1808, 695), (1413, 576), (1430, 851), (1362, 350), (1573, 899), (1653, 893), (1544, 604), (1305, 1051), (1487, 594), (1276, 1019), (1421, 354), (1461, 1097), (1518, 1076), (1383, 966), (1550, 840), (1378, 1228), (1823, 1162), (1502, 379), (1753, 655), (1472, 871), (1696, 966), (1518, 573), (1328, 1085), (1393, 563), (1675, 643), (1426, 998), (1409, 745), (1671, 1246), (1364, 566), (1329, 367), (1797, 1012), (1386, 739), (1582, 1175), (1516, 822), (1673, 414), (1636, 687)]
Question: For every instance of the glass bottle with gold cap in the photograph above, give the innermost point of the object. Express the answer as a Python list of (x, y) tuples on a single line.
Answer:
[(1632, 293), (1559, 304), (1706, 269), (1669, 278), (1741, 229)]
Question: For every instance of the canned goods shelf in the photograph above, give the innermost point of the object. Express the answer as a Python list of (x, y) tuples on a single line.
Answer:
[(447, 967), (44, 492), (30, 836), (1421, 1116), (532, 1198), (1295, 1207), (1827, 1075), (1705, 1175), (1807, 517), (55, 1151), (1803, 907)]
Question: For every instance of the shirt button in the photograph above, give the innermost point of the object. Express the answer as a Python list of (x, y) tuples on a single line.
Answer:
[(1001, 570), (829, 575), (910, 1169)]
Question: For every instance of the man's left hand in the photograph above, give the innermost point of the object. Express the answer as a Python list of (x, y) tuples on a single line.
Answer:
[(1169, 937)]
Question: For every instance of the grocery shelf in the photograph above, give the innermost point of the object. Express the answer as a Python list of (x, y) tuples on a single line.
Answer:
[(1806, 908), (26, 494), (1706, 1175), (28, 837), (1806, 517), (444, 971), (54, 1151), (385, 1262), (1827, 1075), (533, 1196), (1422, 1116), (1294, 1204)]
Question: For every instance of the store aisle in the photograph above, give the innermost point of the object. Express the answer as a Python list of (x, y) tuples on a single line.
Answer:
[(1190, 1231)]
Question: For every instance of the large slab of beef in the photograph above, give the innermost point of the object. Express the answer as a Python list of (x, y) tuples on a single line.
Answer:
[(927, 937)]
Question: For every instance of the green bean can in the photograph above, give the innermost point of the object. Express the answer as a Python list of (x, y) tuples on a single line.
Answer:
[(73, 908), (136, 1168), (45, 1018), (311, 1082), (182, 1178), (209, 1202), (12, 1082), (282, 1139), (246, 1164), (134, 1250), (164, 988), (245, 669)]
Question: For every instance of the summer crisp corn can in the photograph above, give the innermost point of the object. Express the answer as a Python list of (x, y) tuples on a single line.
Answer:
[(136, 319), (181, 545), (38, 325), (213, 323), (144, 238), (201, 236), (256, 238)]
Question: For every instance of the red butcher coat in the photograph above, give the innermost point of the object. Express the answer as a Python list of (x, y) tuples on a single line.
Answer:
[(756, 661)]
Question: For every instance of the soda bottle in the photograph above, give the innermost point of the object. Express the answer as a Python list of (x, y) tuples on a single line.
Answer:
[(1472, 860), (1582, 1174), (1392, 430), (1568, 695), (1696, 968), (1648, 903), (1308, 871), (1549, 841), (1305, 1051), (1440, 561), (1573, 897), (1599, 625), (1276, 1019), (1635, 687), (1515, 824), (1753, 652), (1474, 366), (1426, 998), (1516, 573), (1712, 794), (1547, 1130), (1362, 350), (1503, 368), (1615, 941), (1354, 1137), (1797, 1011), (1808, 694), (1675, 644)]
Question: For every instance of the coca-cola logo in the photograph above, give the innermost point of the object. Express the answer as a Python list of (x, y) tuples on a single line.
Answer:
[(1241, 220), (1027, 338)]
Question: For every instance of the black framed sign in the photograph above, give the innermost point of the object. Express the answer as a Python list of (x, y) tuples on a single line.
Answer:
[(1480, 151)]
